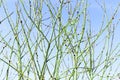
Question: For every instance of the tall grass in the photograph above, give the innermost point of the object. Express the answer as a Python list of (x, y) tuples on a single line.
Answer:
[(54, 40)]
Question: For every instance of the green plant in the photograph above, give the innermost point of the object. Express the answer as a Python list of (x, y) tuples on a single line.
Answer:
[(55, 41)]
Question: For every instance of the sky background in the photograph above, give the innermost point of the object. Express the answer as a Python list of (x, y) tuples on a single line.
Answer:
[(95, 13)]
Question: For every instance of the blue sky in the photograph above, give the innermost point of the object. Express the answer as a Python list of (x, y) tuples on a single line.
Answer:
[(94, 9), (95, 13)]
